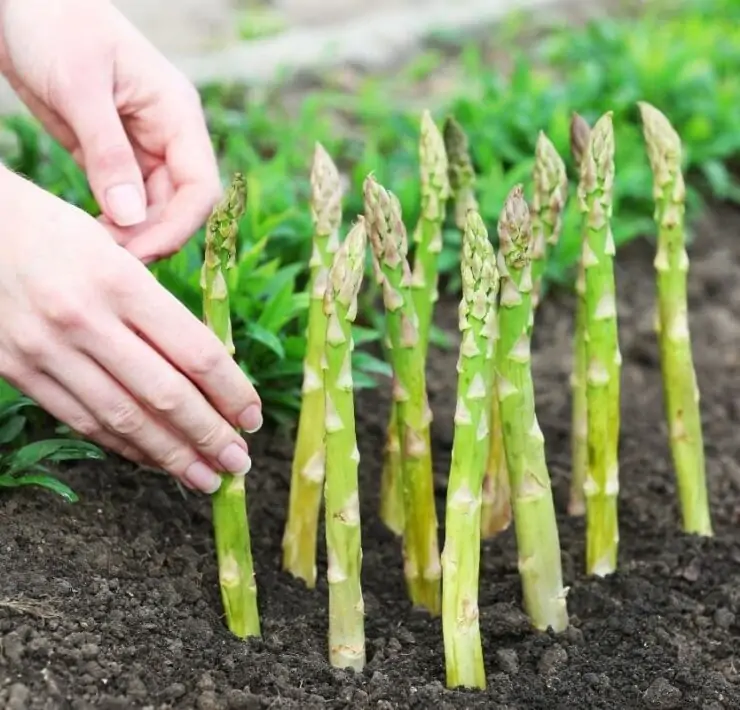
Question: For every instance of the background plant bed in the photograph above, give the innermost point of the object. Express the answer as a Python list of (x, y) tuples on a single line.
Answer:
[(113, 602)]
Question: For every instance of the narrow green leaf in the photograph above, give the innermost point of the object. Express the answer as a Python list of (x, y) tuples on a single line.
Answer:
[(53, 450), (261, 335), (369, 364), (42, 481), (11, 428)]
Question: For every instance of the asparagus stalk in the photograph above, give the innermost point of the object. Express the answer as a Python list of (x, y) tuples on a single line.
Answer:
[(230, 524), (461, 555), (307, 475), (435, 190), (681, 392), (580, 134), (602, 351), (534, 510), (496, 502), (391, 483), (343, 538), (496, 507), (461, 172), (550, 193), (389, 244)]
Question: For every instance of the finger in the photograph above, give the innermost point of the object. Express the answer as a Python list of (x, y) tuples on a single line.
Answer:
[(159, 192), (193, 171), (59, 403), (119, 413), (171, 397), (169, 327), (110, 163)]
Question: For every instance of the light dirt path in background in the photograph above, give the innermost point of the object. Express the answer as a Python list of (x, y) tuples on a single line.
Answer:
[(201, 36)]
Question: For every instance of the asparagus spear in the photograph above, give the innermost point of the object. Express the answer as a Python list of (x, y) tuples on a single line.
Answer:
[(343, 538), (307, 476), (679, 378), (534, 511), (602, 351), (461, 555), (496, 507), (435, 190), (461, 172), (580, 134), (496, 501), (389, 244), (230, 524), (550, 193), (391, 483)]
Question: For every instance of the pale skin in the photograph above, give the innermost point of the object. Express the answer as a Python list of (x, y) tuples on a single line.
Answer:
[(85, 329)]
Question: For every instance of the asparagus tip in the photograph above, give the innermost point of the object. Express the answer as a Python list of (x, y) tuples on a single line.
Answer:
[(384, 223), (434, 165), (599, 158), (326, 192), (234, 201), (450, 124), (580, 134), (222, 224), (460, 170), (548, 160), (550, 184), (515, 228), (475, 227), (347, 270), (456, 142), (480, 276), (453, 134), (662, 140)]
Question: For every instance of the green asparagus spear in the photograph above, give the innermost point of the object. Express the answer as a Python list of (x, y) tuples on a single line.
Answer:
[(435, 190), (550, 194), (496, 501), (461, 171), (461, 555), (681, 392), (343, 539), (534, 510), (307, 476), (496, 507), (230, 523), (421, 548), (602, 351), (580, 133), (391, 484)]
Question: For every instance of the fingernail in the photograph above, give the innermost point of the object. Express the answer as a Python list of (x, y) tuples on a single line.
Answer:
[(251, 419), (203, 478), (235, 460), (126, 205)]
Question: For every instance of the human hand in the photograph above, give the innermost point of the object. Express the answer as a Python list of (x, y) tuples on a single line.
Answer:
[(130, 119), (90, 335)]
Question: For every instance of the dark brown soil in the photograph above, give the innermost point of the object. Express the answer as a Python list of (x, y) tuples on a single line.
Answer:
[(113, 602)]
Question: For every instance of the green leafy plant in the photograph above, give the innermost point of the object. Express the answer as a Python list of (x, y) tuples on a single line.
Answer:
[(24, 463)]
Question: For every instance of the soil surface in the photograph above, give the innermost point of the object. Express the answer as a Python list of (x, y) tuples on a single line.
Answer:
[(113, 602)]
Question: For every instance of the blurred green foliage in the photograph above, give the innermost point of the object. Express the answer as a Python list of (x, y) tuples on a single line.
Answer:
[(24, 462), (683, 57)]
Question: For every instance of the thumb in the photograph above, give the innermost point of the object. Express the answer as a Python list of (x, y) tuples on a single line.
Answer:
[(108, 157)]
